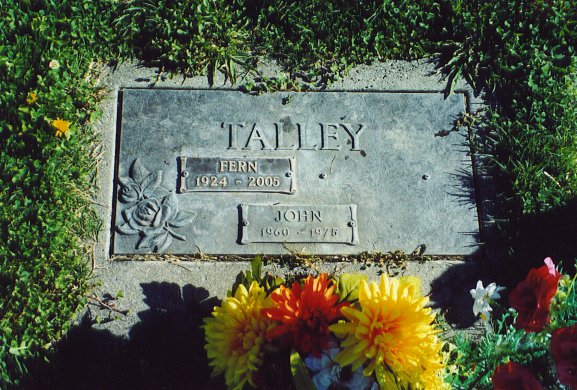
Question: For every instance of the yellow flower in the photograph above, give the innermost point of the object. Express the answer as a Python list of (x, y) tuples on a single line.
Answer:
[(31, 98), (235, 334), (54, 64), (391, 334), (61, 126)]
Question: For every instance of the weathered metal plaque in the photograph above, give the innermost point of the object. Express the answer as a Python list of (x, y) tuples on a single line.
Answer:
[(206, 174), (187, 160), (299, 223)]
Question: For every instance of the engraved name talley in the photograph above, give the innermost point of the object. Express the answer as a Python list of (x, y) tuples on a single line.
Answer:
[(283, 136)]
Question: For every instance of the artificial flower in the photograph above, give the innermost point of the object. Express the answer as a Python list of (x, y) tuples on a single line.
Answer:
[(31, 98), (391, 333), (483, 298), (532, 297), (236, 333), (304, 313), (61, 126), (564, 351), (54, 64), (512, 375), (327, 374)]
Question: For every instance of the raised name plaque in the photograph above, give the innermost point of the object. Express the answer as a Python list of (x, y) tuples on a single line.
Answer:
[(299, 223), (223, 172), (198, 174)]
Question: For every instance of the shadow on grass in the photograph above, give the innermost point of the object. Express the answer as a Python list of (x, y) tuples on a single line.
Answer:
[(450, 294), (551, 234), (164, 351)]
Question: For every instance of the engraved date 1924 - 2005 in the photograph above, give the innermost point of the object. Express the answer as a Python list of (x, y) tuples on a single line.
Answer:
[(214, 174)]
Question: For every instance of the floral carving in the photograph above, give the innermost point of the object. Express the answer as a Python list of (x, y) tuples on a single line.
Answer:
[(151, 212)]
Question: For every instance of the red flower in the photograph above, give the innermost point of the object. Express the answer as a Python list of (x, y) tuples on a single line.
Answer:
[(513, 376), (564, 351), (532, 297), (305, 314)]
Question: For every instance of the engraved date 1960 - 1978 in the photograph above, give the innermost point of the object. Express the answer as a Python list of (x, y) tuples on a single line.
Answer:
[(312, 232), (302, 218), (302, 223)]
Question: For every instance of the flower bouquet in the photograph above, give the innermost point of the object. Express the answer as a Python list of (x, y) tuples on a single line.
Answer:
[(325, 332), (533, 344)]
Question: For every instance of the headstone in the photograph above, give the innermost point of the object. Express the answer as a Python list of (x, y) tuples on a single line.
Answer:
[(225, 172)]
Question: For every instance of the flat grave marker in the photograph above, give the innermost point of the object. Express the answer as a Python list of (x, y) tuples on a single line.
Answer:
[(225, 172)]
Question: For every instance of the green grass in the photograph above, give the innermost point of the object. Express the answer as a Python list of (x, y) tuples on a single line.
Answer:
[(522, 54), (45, 181)]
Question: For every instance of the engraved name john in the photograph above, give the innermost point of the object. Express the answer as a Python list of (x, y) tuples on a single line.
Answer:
[(298, 216), (293, 136)]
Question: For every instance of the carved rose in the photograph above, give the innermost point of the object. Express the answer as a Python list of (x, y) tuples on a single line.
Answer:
[(140, 184), (129, 191), (152, 213), (148, 214)]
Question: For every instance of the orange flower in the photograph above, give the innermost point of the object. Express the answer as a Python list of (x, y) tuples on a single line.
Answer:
[(305, 313), (61, 126)]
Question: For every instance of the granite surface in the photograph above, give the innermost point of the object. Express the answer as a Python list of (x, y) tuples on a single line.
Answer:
[(394, 155)]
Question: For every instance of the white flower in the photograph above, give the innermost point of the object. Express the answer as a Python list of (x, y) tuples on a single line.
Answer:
[(484, 297), (54, 64)]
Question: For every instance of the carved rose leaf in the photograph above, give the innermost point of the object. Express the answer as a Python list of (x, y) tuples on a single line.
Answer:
[(155, 243), (126, 229), (164, 245), (170, 200), (138, 172), (125, 181), (176, 235), (151, 183), (157, 193), (181, 219)]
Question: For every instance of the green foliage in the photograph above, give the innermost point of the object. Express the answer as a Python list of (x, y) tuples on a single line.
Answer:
[(268, 281), (190, 37), (326, 37), (301, 378), (474, 362), (348, 286), (523, 54), (45, 181)]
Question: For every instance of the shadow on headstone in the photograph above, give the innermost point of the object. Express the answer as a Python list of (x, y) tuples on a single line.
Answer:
[(165, 349)]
